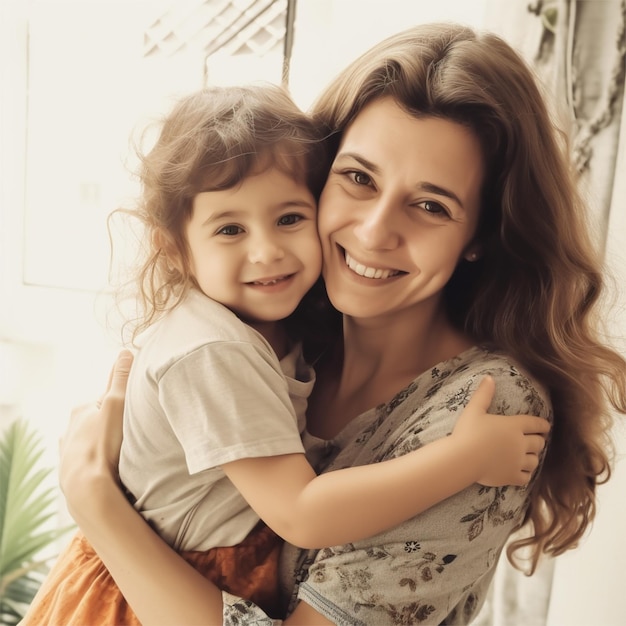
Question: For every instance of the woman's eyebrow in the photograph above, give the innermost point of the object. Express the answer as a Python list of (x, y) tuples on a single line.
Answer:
[(441, 191), (360, 159)]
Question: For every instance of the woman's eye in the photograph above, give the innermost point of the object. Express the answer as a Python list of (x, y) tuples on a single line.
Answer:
[(289, 220), (434, 208), (230, 230), (360, 178)]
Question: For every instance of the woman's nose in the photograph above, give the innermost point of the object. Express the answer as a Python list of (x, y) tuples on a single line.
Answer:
[(265, 250), (377, 228)]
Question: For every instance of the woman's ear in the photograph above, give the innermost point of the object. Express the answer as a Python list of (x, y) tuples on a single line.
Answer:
[(473, 252)]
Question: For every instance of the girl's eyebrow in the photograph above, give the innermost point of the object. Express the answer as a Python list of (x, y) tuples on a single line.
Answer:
[(422, 186), (235, 214), (220, 215)]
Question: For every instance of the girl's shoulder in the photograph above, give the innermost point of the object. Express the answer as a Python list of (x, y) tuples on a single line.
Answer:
[(198, 320), (203, 331)]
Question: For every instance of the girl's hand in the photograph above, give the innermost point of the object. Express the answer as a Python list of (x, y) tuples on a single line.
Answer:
[(506, 448), (90, 448)]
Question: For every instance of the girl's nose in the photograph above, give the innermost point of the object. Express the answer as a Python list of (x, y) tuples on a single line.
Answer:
[(265, 250), (376, 230)]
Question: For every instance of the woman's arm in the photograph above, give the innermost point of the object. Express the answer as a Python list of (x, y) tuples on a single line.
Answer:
[(354, 503), (160, 586)]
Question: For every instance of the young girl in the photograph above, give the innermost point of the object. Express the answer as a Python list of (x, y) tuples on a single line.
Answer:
[(218, 390)]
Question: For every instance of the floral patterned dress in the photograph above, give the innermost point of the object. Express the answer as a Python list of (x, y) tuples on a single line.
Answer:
[(436, 567)]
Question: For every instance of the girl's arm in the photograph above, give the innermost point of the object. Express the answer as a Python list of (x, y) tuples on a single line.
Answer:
[(354, 503)]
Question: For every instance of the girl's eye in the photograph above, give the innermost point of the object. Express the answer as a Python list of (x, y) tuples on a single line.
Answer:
[(230, 230), (360, 178), (289, 220)]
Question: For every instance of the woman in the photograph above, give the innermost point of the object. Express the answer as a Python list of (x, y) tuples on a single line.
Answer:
[(454, 245)]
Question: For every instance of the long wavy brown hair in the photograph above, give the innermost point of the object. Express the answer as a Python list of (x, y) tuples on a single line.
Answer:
[(536, 291), (212, 139)]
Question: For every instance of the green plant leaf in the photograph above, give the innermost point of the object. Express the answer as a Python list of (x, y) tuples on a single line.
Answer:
[(25, 512)]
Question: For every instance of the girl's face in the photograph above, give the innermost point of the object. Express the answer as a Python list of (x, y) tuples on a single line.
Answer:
[(399, 210), (254, 248)]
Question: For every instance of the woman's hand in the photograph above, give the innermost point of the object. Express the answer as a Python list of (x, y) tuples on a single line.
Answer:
[(90, 449)]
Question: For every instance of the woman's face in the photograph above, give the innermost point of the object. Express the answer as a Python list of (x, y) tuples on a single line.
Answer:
[(399, 210)]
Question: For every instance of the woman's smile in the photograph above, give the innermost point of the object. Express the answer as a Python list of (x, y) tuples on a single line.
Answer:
[(368, 271)]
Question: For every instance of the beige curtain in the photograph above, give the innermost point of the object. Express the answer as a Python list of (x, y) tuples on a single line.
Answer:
[(578, 49)]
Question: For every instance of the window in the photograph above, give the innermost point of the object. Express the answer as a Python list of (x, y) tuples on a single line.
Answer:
[(96, 69)]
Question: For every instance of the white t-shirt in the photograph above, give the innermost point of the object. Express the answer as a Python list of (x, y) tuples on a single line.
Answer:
[(206, 389)]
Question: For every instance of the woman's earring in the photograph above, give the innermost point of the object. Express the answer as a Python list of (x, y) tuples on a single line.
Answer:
[(471, 257)]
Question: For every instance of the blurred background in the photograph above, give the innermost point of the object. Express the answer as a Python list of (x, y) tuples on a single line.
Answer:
[(80, 79)]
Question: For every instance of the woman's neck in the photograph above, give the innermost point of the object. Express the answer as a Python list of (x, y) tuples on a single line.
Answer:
[(378, 359), (412, 342)]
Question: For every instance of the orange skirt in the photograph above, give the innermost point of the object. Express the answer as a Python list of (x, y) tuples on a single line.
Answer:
[(79, 590)]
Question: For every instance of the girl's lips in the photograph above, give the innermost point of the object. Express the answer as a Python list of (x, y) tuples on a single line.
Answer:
[(376, 273), (264, 282), (274, 284)]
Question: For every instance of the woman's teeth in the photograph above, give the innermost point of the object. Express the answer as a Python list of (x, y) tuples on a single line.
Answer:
[(368, 272)]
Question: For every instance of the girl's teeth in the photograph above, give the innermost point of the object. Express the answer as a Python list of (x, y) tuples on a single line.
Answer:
[(268, 282)]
